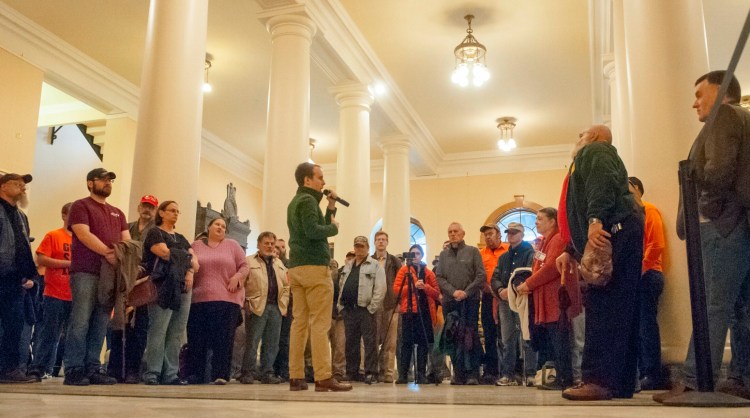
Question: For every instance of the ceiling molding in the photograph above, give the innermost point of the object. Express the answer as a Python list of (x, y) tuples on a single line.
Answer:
[(64, 66), (344, 40), (226, 156), (521, 160), (87, 80)]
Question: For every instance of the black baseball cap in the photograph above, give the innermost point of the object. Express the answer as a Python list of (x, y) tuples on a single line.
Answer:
[(13, 176), (100, 173)]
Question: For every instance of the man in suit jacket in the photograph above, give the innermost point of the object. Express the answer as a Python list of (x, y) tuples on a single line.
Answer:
[(719, 164)]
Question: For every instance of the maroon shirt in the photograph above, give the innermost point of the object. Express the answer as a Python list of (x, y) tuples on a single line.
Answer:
[(105, 221)]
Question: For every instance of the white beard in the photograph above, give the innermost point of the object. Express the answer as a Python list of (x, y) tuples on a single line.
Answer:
[(23, 201)]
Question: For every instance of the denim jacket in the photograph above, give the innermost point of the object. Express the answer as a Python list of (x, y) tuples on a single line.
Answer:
[(372, 286)]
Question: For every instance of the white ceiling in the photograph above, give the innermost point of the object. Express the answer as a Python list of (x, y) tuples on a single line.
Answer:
[(537, 53)]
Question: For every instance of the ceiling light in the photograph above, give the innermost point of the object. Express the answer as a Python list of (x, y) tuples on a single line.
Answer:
[(312, 147), (378, 88), (470, 62), (506, 125), (206, 85)]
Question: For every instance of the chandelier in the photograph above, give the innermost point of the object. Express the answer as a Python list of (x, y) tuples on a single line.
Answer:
[(506, 125), (470, 63)]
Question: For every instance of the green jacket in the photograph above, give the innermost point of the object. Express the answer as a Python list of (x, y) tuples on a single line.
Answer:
[(597, 188), (308, 229)]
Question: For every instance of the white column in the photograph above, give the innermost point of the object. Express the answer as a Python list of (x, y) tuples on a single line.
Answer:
[(353, 162), (288, 116), (660, 74), (396, 192), (168, 139)]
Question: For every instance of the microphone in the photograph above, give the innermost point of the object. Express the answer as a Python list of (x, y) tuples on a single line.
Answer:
[(338, 199)]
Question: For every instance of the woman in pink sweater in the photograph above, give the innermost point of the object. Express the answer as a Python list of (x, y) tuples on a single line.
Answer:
[(217, 298), (544, 285)]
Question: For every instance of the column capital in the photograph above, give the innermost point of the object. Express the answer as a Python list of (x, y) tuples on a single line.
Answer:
[(352, 93), (291, 25), (392, 144)]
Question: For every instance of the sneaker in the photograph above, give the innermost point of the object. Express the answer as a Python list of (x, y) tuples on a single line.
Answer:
[(270, 379), (370, 379), (220, 382), (35, 374), (17, 376), (99, 378), (247, 379), (150, 380), (472, 381), (506, 381), (76, 377)]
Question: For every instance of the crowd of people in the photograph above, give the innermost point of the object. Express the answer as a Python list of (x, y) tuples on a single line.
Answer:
[(575, 310)]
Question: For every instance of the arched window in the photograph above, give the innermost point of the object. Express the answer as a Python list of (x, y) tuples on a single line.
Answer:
[(416, 236), (520, 211)]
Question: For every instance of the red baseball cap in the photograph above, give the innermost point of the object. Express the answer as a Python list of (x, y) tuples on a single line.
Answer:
[(151, 200)]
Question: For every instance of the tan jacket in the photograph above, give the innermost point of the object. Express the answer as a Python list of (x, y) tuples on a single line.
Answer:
[(256, 285)]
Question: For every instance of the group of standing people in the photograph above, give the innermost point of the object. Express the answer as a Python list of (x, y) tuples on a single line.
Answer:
[(537, 303)]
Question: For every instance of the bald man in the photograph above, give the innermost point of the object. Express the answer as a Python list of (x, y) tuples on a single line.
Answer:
[(598, 208)]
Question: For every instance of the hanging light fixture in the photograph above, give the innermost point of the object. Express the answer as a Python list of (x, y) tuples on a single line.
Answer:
[(470, 62), (207, 88), (312, 147), (506, 125)]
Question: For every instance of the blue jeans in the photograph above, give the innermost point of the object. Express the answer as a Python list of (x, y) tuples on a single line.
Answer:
[(11, 322), (24, 347), (266, 327), (87, 326), (649, 353), (163, 343), (739, 336), (56, 315), (726, 268), (510, 340)]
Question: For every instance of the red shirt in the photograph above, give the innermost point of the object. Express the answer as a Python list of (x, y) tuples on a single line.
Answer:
[(105, 221), (56, 244)]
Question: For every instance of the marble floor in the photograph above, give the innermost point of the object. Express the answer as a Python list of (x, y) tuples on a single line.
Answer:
[(51, 398)]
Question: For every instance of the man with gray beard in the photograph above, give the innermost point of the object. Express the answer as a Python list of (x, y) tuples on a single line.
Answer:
[(16, 270)]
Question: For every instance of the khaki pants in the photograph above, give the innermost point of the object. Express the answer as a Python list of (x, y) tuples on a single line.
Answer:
[(337, 336), (312, 291), (387, 357)]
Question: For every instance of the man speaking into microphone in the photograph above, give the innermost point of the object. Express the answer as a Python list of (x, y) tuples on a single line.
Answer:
[(312, 289)]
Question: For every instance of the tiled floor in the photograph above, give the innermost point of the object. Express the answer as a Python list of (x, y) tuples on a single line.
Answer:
[(52, 398)]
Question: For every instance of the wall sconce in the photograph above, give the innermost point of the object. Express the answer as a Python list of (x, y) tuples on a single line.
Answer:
[(207, 88)]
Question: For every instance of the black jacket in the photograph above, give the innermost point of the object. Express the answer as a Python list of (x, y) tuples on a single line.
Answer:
[(170, 278), (521, 256)]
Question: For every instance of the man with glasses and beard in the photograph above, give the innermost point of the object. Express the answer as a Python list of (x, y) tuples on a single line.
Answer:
[(16, 270), (96, 227)]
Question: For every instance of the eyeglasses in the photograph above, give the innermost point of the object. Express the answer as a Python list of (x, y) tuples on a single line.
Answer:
[(175, 211), (105, 180), (17, 183)]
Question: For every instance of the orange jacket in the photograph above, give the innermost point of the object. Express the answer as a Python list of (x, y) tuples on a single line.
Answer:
[(431, 289), (653, 238)]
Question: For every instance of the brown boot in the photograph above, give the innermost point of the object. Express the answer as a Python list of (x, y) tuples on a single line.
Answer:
[(331, 385), (297, 384), (677, 389), (587, 392)]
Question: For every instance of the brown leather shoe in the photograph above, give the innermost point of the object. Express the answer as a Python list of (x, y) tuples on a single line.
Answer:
[(587, 392), (331, 385), (297, 384), (677, 389)]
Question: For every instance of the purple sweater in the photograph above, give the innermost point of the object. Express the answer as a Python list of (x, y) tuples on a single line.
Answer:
[(217, 267)]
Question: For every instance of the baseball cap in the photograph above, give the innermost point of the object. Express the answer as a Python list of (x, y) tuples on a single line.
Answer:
[(13, 176), (489, 226), (151, 200), (360, 240), (515, 226), (99, 173)]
